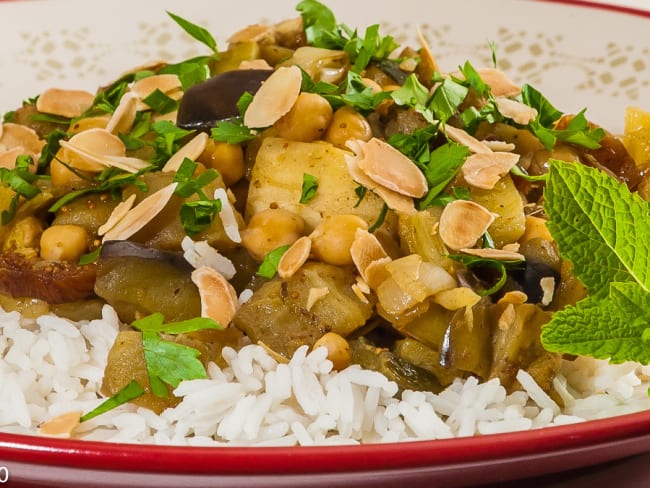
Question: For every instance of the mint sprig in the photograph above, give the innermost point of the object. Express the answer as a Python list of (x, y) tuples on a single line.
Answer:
[(602, 228)]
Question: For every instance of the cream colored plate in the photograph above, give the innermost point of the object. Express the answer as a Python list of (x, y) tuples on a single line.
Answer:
[(576, 55)]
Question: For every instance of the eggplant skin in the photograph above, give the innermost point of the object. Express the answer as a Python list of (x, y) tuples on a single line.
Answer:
[(205, 104), (52, 281)]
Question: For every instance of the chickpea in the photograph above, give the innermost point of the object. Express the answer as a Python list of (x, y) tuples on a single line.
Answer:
[(347, 124), (338, 349), (307, 120), (270, 229), (332, 238), (65, 242), (61, 175), (227, 159)]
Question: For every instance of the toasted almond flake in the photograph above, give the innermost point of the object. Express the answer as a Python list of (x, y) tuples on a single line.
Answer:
[(218, 298), (85, 160), (128, 164), (118, 213), (200, 253), (507, 318), (316, 294), (356, 289), (372, 84), (513, 246), (169, 117), (548, 289), (394, 200), (254, 64), (427, 60), (484, 170), (8, 158), (500, 146), (457, 298), (165, 83), (245, 295), (122, 119), (62, 425), (517, 111), (141, 214), (280, 359), (275, 97), (191, 150), (462, 137), (377, 273), (515, 297), (16, 135), (363, 286), (227, 215), (499, 82), (66, 103), (389, 167), (252, 33), (86, 149), (462, 223), (365, 249), (294, 257), (498, 254)]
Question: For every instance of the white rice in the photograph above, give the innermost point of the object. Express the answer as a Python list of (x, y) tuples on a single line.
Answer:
[(50, 366)]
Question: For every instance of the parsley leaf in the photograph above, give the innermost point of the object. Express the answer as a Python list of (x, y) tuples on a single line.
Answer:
[(130, 392), (309, 187), (269, 265), (160, 102), (601, 227), (474, 262), (232, 131), (415, 95), (155, 322), (446, 99), (197, 32), (445, 162)]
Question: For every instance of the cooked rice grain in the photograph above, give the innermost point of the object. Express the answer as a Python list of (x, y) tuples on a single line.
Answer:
[(50, 366)]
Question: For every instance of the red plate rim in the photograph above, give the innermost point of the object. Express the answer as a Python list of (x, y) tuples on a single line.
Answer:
[(269, 460), (276, 460)]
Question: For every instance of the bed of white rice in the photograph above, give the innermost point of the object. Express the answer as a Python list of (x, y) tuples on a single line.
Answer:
[(50, 366)]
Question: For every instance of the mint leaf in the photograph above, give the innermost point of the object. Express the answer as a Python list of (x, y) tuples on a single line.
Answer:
[(599, 226), (614, 329)]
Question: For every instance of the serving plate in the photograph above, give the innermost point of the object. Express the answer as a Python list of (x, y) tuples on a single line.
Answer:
[(577, 55)]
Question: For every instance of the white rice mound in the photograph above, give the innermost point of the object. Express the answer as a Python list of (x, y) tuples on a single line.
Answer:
[(50, 366)]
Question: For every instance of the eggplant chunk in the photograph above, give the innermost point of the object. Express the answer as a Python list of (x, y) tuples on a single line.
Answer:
[(139, 281), (277, 313)]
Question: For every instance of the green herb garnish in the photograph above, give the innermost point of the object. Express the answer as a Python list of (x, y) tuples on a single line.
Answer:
[(197, 32), (309, 187), (269, 265), (130, 392), (602, 228)]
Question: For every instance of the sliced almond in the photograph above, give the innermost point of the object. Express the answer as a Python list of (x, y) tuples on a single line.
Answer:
[(191, 150), (85, 160), (61, 426), (118, 213), (16, 135), (165, 83), (8, 158), (499, 82), (252, 33), (484, 170), (377, 273), (360, 294), (66, 103), (227, 216), (515, 297), (140, 215), (123, 118), (279, 358), (517, 111), (200, 253), (254, 64), (84, 150), (507, 317), (427, 61), (548, 290), (457, 298), (218, 298), (275, 98), (500, 146), (462, 137), (389, 167), (365, 249), (294, 257), (316, 294), (394, 200), (462, 223), (498, 254)]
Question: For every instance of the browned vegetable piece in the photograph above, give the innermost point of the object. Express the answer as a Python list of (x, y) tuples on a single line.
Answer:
[(53, 282), (427, 358), (277, 314), (516, 345), (89, 211), (138, 281)]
